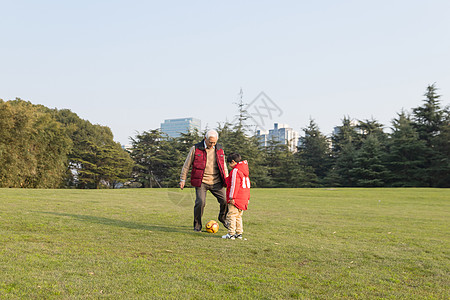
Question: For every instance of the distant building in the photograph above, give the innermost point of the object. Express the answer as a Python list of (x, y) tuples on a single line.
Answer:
[(174, 127), (127, 147), (281, 133), (354, 124)]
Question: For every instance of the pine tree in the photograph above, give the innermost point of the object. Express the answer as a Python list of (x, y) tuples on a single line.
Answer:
[(275, 154), (314, 150), (371, 127), (94, 157), (428, 118), (407, 154), (431, 122), (148, 152), (343, 135), (340, 174), (369, 169), (441, 161)]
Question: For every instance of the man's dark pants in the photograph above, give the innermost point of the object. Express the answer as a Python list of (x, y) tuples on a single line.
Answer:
[(219, 192)]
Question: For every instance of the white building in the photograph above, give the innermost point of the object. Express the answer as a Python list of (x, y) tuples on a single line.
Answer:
[(173, 127), (353, 123), (281, 133)]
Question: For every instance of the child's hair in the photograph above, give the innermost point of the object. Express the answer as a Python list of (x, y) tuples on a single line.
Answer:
[(234, 156)]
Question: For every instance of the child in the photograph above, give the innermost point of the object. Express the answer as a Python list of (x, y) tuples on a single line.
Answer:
[(238, 194)]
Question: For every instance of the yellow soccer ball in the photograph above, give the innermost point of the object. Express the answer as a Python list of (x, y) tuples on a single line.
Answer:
[(212, 226)]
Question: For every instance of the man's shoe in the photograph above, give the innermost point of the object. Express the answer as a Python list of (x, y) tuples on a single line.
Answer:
[(228, 236), (238, 236), (197, 230)]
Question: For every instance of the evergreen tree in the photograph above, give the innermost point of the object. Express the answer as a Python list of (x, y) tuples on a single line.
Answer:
[(101, 166), (314, 151), (407, 154), (114, 165), (369, 169), (428, 118), (243, 113), (277, 155), (94, 156), (155, 158), (186, 140), (83, 166), (371, 127), (431, 122), (340, 174), (441, 161), (343, 135)]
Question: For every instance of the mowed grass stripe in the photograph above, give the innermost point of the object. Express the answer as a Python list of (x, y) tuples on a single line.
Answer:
[(302, 243)]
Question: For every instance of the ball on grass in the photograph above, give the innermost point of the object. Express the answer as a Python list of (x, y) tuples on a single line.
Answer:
[(212, 226)]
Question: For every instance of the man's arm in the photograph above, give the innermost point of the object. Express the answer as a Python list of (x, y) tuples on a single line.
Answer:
[(225, 165), (226, 169), (187, 165)]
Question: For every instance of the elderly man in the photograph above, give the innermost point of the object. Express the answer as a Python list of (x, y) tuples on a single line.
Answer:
[(209, 172)]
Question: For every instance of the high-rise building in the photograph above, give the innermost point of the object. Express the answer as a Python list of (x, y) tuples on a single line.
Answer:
[(281, 133), (353, 123), (174, 127)]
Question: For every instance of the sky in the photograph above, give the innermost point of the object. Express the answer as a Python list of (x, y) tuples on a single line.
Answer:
[(131, 64)]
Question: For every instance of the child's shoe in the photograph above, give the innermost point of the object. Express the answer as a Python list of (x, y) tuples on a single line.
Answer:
[(228, 236), (239, 236)]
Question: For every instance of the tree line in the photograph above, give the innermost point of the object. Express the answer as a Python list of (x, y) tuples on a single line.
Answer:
[(50, 148)]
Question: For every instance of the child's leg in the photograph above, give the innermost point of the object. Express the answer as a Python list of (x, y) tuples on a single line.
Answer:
[(233, 212), (239, 224)]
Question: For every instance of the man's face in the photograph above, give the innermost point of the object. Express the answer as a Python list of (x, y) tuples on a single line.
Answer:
[(211, 142)]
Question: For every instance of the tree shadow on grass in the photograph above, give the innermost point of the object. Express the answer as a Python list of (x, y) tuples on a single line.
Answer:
[(120, 223)]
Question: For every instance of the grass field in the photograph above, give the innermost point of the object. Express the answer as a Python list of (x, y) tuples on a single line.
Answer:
[(302, 243)]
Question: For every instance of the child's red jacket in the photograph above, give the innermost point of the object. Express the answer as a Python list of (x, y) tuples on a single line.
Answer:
[(238, 185)]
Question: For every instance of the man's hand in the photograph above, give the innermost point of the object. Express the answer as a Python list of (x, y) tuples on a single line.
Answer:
[(231, 201), (182, 184)]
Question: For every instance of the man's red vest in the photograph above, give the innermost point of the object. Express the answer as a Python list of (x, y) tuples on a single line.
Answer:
[(199, 164)]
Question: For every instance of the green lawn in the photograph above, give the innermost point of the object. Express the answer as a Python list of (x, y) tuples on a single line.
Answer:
[(302, 243)]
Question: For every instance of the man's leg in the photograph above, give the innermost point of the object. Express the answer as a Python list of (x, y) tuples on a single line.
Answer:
[(219, 192), (200, 200)]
